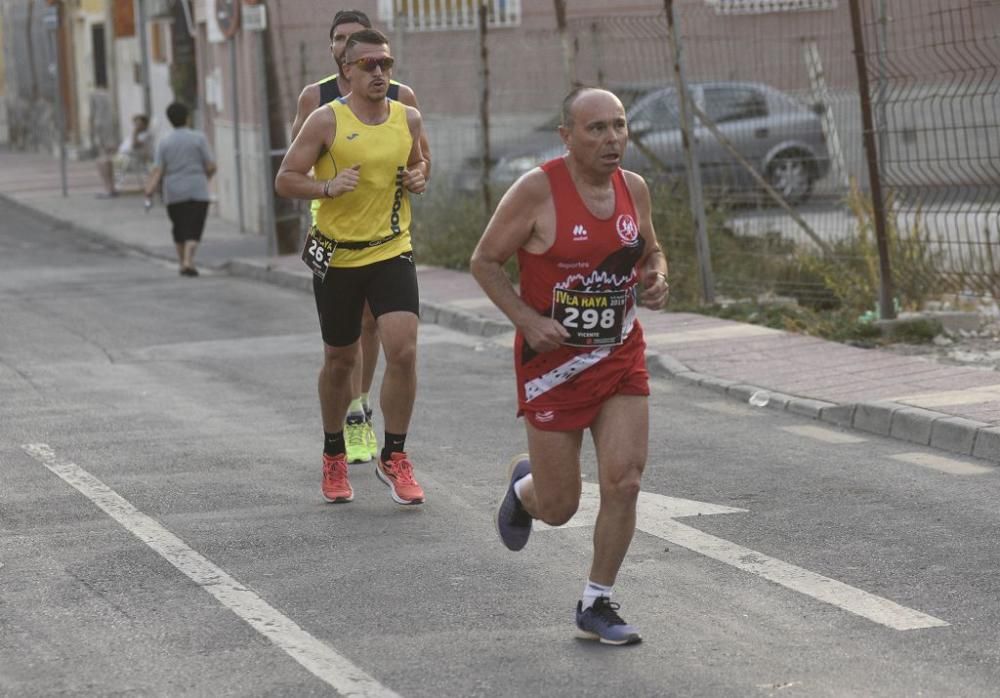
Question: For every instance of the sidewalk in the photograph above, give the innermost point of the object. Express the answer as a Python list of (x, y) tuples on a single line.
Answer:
[(951, 408)]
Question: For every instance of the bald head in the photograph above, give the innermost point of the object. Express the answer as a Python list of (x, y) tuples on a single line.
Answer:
[(583, 97)]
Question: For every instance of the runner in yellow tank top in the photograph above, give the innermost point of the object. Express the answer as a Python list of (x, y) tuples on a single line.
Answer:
[(366, 155), (379, 207), (359, 429)]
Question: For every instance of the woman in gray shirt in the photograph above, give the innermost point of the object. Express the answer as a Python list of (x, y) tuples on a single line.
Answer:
[(183, 164)]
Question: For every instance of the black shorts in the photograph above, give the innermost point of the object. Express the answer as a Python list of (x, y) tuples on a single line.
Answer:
[(388, 286), (188, 218)]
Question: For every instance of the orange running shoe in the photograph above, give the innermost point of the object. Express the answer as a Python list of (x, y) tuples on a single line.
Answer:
[(397, 473), (336, 488)]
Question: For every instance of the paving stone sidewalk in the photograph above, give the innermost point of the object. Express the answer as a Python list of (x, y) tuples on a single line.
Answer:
[(913, 399)]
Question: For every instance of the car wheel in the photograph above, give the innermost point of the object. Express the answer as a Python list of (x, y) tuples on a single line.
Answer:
[(791, 174)]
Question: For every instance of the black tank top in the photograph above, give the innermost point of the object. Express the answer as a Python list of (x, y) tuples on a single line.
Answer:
[(329, 90)]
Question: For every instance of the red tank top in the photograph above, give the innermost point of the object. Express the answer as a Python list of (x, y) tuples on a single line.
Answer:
[(587, 281)]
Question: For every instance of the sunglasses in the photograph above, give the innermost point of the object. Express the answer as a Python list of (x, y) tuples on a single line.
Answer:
[(370, 63)]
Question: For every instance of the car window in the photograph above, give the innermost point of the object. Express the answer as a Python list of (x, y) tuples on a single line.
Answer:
[(724, 104), (659, 112)]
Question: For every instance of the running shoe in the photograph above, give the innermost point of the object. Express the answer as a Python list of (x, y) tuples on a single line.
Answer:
[(370, 440), (336, 487), (397, 474), (357, 446), (602, 622), (513, 522)]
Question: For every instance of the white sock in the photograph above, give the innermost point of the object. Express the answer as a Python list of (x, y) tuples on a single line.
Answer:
[(593, 591), (520, 485)]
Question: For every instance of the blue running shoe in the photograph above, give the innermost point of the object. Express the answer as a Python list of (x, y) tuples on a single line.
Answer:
[(513, 522), (602, 622)]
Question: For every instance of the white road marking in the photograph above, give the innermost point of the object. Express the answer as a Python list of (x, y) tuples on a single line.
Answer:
[(945, 465), (656, 514), (313, 654), (829, 436), (724, 332)]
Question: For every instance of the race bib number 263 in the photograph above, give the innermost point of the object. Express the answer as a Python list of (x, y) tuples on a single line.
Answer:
[(317, 253), (592, 318)]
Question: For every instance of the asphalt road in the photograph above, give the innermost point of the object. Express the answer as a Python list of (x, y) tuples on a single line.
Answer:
[(162, 531)]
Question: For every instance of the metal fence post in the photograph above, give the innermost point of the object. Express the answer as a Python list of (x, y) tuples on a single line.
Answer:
[(887, 309), (691, 162), (484, 103)]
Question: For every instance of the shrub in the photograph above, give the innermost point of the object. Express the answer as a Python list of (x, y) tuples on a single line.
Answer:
[(446, 227), (852, 272)]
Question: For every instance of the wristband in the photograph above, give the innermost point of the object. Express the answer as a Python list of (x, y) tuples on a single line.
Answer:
[(326, 189)]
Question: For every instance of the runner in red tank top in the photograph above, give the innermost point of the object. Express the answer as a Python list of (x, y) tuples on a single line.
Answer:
[(587, 251), (587, 280)]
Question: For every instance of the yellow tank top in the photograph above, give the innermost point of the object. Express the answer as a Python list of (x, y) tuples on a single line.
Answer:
[(380, 205)]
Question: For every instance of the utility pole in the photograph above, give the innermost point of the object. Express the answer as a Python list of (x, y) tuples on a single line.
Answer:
[(53, 22), (887, 308), (234, 80), (567, 47), (695, 194), (255, 21), (140, 30), (484, 103)]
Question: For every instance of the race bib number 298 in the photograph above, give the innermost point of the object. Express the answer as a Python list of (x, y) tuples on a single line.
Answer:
[(592, 318)]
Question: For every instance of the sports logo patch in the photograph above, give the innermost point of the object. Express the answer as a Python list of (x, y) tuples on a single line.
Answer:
[(545, 416), (628, 231)]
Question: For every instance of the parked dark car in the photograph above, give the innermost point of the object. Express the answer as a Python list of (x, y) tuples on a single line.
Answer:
[(782, 137)]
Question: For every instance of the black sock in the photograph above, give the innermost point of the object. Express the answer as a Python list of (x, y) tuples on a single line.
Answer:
[(333, 443), (394, 443)]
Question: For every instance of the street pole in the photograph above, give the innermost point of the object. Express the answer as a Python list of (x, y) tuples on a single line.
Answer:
[(569, 79), (237, 156), (887, 309), (53, 22), (484, 104), (267, 190), (697, 198), (140, 29)]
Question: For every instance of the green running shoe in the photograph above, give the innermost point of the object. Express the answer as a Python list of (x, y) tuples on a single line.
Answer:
[(357, 447)]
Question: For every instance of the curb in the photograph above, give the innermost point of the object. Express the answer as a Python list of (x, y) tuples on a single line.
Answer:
[(884, 418), (91, 235)]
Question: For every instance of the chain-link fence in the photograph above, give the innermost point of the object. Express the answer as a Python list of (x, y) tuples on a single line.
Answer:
[(936, 100), (777, 133)]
